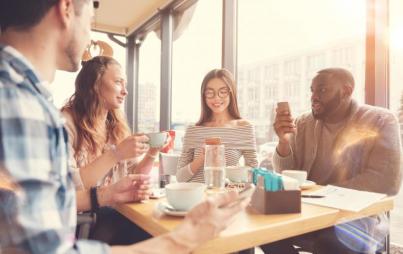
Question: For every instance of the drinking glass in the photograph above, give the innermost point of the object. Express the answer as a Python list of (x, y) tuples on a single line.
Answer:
[(214, 167)]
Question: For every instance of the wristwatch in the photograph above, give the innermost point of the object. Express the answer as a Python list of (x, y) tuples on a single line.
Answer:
[(94, 199)]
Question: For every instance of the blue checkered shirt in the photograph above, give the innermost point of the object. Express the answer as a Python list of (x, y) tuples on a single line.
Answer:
[(37, 196)]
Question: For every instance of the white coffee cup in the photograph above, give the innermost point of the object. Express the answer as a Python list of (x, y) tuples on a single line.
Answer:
[(237, 174), (290, 183), (300, 175), (157, 139), (169, 162), (184, 196)]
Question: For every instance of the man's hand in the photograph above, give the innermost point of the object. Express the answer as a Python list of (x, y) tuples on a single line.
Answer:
[(205, 221), (283, 124), (132, 188), (202, 223)]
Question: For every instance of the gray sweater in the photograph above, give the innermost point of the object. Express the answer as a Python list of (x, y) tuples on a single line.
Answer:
[(366, 153)]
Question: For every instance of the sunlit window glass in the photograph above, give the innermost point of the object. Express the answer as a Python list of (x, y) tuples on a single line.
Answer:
[(281, 46), (149, 84), (196, 51), (62, 86)]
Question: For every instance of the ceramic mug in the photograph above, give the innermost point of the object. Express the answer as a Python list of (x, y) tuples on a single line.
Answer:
[(157, 139), (300, 175)]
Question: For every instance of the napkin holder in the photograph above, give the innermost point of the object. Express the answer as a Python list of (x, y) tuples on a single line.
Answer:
[(275, 202)]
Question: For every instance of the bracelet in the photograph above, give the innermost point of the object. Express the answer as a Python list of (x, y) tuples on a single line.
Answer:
[(94, 199), (151, 156)]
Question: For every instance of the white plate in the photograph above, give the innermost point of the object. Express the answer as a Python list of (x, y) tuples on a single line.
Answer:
[(169, 210), (307, 185)]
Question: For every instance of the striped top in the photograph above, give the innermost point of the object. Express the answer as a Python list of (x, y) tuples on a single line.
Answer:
[(238, 141)]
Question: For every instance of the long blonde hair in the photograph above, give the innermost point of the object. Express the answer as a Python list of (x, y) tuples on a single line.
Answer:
[(227, 77), (85, 106)]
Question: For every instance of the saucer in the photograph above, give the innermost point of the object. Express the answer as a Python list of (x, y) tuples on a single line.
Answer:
[(169, 210), (157, 193), (307, 185)]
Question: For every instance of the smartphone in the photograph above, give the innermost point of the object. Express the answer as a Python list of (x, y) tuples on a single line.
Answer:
[(246, 192), (243, 194), (283, 106)]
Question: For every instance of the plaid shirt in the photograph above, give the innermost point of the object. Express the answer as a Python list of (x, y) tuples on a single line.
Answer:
[(37, 196)]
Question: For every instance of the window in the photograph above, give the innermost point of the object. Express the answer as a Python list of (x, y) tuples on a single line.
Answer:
[(149, 84), (396, 100), (195, 52), (62, 86), (280, 49)]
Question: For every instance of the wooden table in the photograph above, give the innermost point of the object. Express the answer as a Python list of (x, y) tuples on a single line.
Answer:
[(250, 228)]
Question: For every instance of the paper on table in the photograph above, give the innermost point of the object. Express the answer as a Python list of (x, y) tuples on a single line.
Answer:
[(343, 198)]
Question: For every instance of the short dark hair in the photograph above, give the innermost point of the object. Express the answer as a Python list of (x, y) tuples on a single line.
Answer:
[(23, 14), (340, 74)]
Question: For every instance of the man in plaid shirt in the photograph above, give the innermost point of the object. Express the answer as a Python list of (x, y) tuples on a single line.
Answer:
[(37, 196)]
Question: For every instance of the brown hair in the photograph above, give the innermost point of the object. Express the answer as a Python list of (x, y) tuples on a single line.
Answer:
[(85, 106), (227, 77)]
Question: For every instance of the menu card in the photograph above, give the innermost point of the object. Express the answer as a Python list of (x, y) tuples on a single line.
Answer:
[(342, 198)]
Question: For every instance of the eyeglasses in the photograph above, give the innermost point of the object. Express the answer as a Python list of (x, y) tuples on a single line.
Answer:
[(222, 93)]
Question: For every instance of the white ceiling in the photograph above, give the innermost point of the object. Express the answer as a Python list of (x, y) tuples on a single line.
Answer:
[(124, 16)]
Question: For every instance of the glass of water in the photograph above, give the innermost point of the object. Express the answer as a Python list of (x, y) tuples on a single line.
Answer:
[(214, 167)]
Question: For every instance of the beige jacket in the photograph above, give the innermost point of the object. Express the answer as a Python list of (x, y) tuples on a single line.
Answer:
[(367, 149)]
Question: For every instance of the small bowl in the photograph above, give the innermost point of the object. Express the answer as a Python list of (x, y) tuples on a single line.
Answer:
[(184, 196), (237, 174)]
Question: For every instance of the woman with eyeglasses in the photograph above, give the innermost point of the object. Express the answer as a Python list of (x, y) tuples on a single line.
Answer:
[(219, 118)]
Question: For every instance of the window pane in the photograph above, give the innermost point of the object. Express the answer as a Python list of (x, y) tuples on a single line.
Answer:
[(63, 85), (282, 48), (396, 100), (149, 84), (195, 52)]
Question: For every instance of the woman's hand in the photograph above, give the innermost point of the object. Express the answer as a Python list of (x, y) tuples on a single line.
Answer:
[(153, 151), (132, 146), (198, 162), (283, 125)]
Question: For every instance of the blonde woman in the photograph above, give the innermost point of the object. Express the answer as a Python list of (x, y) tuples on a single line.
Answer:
[(100, 140), (219, 118), (102, 150)]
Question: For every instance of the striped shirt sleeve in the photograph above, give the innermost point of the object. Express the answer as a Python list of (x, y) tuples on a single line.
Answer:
[(184, 173)]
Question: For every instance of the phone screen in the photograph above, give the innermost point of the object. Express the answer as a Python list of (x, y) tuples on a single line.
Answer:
[(283, 106), (243, 194)]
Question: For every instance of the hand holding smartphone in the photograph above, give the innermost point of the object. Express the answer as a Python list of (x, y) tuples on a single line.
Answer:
[(247, 192)]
